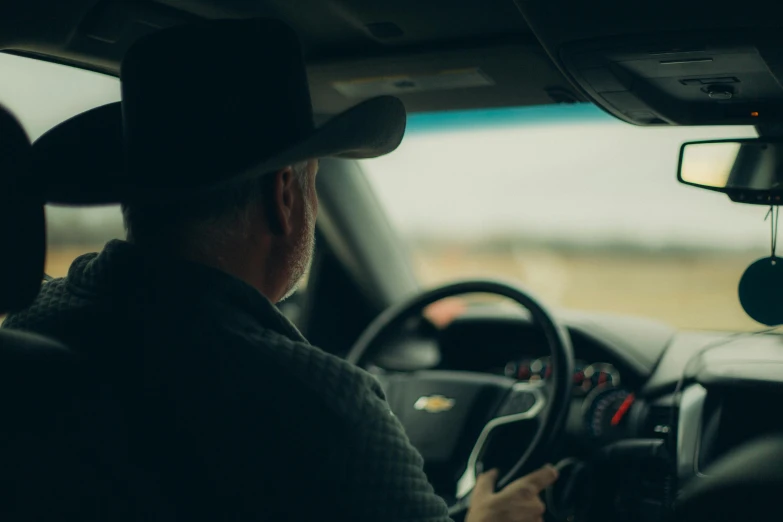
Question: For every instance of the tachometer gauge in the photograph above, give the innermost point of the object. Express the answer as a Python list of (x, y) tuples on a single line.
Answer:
[(540, 369), (518, 370), (581, 384), (606, 412), (601, 374), (532, 370)]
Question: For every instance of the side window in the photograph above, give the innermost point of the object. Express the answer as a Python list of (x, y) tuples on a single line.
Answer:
[(41, 95), (72, 231)]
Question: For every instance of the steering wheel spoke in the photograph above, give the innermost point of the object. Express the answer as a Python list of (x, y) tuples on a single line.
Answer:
[(524, 401)]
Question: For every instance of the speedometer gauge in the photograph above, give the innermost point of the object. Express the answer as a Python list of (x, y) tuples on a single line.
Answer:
[(605, 412)]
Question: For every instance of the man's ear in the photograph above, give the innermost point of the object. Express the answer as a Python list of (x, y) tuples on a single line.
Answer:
[(281, 202)]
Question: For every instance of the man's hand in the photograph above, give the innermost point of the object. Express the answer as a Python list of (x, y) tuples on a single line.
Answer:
[(517, 502)]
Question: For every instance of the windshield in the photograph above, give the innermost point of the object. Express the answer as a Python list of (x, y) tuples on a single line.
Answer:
[(581, 208)]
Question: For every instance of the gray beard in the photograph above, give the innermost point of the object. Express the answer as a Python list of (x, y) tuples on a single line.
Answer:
[(302, 255)]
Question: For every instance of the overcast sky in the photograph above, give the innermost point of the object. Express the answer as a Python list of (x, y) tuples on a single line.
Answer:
[(569, 173), (584, 178)]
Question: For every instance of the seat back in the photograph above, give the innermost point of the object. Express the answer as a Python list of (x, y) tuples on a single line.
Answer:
[(56, 430), (22, 225)]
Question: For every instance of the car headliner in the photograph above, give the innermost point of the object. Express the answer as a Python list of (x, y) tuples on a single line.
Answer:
[(343, 40), (434, 54)]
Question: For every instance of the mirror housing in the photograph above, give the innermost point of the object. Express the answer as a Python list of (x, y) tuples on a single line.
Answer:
[(747, 170)]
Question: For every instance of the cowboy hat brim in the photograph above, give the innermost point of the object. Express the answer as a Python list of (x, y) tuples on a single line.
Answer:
[(81, 161)]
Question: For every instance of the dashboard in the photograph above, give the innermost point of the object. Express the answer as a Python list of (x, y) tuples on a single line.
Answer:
[(607, 375), (652, 408)]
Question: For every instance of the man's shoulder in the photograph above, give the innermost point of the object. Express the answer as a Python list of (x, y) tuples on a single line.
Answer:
[(221, 338), (54, 298), (348, 391)]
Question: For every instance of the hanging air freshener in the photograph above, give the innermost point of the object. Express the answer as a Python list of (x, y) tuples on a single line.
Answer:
[(761, 286)]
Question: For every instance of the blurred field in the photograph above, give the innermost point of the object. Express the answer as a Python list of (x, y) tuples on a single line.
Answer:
[(685, 287), (686, 290), (693, 290), (58, 258)]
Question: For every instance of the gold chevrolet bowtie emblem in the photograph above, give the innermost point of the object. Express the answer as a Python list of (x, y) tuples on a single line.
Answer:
[(434, 404)]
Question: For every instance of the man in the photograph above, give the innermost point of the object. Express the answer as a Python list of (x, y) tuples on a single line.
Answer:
[(233, 415)]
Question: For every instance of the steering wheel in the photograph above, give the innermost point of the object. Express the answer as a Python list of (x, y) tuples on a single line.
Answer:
[(449, 416)]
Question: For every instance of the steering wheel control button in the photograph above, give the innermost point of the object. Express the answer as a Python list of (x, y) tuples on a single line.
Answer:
[(518, 402)]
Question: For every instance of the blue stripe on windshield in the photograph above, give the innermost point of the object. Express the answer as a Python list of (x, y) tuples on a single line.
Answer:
[(459, 120)]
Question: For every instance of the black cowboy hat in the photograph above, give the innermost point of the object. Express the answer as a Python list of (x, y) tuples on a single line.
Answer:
[(202, 105)]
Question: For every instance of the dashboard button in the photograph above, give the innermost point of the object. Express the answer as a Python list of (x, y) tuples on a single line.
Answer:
[(518, 402)]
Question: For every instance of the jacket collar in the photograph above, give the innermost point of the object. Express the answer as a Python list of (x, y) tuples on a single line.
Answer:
[(124, 267)]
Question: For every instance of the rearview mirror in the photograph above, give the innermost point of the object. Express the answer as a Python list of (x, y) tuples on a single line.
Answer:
[(748, 171)]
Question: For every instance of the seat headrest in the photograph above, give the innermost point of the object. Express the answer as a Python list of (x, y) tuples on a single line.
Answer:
[(22, 223)]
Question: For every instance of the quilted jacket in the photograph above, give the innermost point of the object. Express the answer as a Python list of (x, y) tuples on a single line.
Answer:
[(232, 415)]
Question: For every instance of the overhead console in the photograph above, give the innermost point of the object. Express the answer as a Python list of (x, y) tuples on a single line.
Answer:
[(683, 81), (665, 65)]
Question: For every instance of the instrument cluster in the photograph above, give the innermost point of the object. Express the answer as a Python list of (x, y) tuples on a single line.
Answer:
[(606, 403), (587, 377)]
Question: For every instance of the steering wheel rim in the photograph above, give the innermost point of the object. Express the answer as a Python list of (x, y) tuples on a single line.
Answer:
[(553, 414)]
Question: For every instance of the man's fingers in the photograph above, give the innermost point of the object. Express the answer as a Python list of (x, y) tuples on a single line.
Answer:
[(534, 482), (537, 507), (541, 479), (485, 483)]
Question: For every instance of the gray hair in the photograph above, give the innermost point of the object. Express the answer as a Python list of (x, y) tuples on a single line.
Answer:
[(203, 222)]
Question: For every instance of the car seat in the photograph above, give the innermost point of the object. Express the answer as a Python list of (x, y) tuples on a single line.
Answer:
[(62, 444)]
